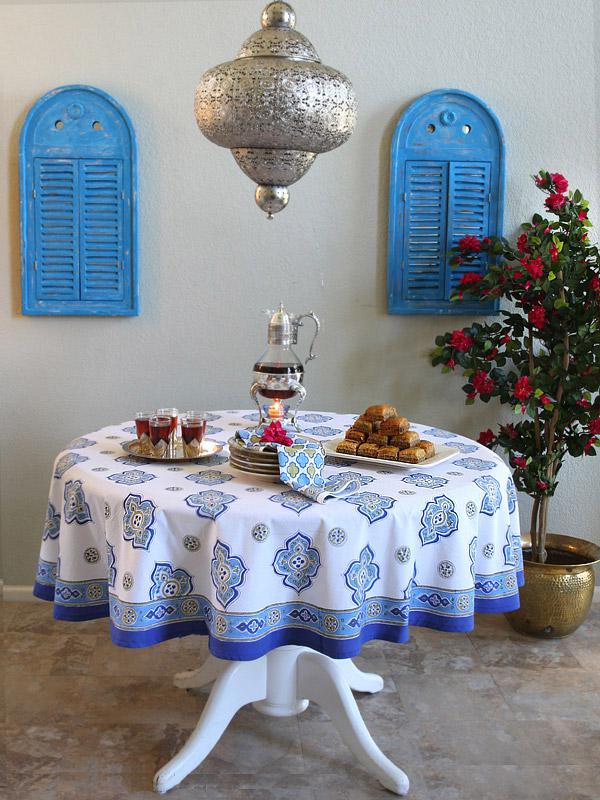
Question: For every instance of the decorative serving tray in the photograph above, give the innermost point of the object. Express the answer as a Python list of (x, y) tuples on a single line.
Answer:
[(443, 453), (209, 448)]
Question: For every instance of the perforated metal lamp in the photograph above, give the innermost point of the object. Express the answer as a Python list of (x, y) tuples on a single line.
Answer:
[(276, 106)]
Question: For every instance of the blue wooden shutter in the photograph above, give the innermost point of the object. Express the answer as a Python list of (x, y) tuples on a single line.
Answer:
[(446, 181), (468, 213), (56, 262), (78, 173), (101, 239), (424, 229)]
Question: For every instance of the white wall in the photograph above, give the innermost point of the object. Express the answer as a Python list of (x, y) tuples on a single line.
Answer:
[(210, 262)]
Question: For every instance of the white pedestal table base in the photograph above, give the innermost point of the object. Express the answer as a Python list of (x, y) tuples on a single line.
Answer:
[(280, 684)]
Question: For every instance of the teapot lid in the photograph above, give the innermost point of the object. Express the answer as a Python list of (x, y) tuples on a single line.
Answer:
[(282, 329)]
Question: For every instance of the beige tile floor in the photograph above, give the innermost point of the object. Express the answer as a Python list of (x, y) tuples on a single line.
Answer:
[(485, 716)]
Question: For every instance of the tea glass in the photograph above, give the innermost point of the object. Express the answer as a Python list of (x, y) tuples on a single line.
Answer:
[(160, 427), (142, 429), (193, 426), (172, 413)]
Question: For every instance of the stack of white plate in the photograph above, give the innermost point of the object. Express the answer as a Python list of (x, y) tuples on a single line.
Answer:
[(260, 463)]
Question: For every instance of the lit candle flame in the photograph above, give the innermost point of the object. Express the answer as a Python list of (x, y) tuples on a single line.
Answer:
[(276, 410)]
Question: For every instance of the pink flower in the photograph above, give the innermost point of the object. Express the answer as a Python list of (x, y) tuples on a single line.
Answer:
[(482, 383), (451, 363), (561, 184), (582, 214), (522, 243), (460, 341), (523, 389), (555, 202), (469, 243), (470, 279), (594, 426), (275, 433), (553, 252), (486, 437), (537, 316)]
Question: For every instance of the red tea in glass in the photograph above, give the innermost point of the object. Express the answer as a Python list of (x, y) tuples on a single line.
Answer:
[(142, 429), (193, 426), (160, 434)]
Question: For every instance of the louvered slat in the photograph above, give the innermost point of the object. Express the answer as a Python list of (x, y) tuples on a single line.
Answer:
[(56, 223), (468, 213), (101, 238), (424, 248)]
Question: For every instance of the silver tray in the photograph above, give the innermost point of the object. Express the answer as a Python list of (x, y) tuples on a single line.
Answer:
[(209, 448)]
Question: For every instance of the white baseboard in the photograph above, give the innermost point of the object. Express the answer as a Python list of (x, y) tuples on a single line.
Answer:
[(18, 594), (22, 594)]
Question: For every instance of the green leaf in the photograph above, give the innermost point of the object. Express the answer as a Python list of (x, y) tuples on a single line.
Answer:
[(577, 196), (560, 303), (551, 276), (469, 401)]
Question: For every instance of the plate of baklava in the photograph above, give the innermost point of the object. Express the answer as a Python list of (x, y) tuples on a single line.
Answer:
[(381, 436)]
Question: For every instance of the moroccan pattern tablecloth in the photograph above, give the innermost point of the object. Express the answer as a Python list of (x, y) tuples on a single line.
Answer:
[(174, 549)]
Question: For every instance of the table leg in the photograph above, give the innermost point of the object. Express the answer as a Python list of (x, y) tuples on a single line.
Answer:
[(281, 684), (198, 678)]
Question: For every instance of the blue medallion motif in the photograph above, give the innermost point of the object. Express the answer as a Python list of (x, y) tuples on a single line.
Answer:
[(112, 564), (440, 433), (314, 418), (168, 582), (512, 550), (76, 508), (253, 417), (211, 461), (130, 429), (293, 500), (424, 481), (51, 524), (364, 479), (80, 443), (334, 461), (492, 499), (298, 562), (210, 477), (511, 494), (472, 555), (211, 417), (138, 520), (132, 461), (475, 463), (227, 573), (463, 447), (361, 575), (211, 503), (210, 430), (131, 477), (370, 505), (438, 519), (66, 462), (322, 430)]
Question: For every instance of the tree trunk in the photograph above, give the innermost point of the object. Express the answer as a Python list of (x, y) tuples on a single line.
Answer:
[(533, 529), (542, 524)]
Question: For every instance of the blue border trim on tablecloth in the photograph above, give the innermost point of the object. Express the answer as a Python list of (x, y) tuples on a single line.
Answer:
[(243, 637)]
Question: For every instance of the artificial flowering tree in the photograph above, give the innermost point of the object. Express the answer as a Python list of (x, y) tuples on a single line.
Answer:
[(543, 357)]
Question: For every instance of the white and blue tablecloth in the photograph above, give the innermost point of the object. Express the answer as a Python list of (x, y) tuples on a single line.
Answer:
[(169, 550)]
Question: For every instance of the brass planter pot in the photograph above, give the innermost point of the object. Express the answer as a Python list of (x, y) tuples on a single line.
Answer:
[(557, 595)]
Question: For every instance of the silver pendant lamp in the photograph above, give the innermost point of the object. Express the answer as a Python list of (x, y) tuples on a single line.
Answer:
[(276, 106)]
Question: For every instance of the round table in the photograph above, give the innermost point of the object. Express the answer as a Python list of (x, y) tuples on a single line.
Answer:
[(286, 589)]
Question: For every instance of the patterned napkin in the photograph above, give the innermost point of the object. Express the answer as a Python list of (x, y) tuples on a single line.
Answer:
[(301, 466)]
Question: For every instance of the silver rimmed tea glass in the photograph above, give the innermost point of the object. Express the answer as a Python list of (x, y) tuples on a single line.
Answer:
[(160, 434), (173, 414), (193, 426), (142, 429)]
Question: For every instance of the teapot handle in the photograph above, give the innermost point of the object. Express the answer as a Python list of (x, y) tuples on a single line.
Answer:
[(315, 319)]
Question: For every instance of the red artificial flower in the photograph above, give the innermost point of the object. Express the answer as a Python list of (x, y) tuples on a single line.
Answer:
[(553, 252), (518, 275), (582, 214), (470, 279), (545, 400), (595, 283), (540, 181), (509, 430), (561, 184), (492, 353), (275, 433), (469, 243), (471, 395), (584, 403), (548, 230), (522, 244), (542, 485), (520, 462), (451, 363), (505, 339), (486, 437), (533, 266), (594, 426), (486, 241), (584, 236), (555, 202), (482, 382), (590, 443), (523, 389), (537, 317), (460, 341)]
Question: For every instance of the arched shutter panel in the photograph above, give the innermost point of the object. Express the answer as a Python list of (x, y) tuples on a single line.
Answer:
[(446, 181), (468, 213), (425, 229), (101, 240), (56, 263), (78, 173)]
